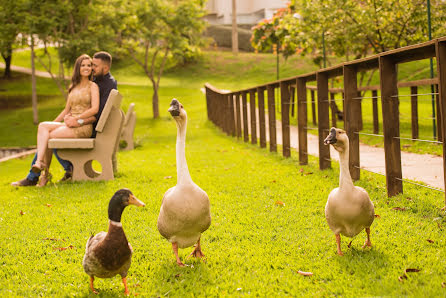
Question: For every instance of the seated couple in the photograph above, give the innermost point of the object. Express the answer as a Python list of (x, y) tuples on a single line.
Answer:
[(90, 87)]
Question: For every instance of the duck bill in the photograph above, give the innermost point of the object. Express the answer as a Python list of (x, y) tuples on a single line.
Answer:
[(174, 108), (134, 201), (331, 138)]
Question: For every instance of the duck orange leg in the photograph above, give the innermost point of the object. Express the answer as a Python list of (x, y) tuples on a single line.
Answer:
[(338, 244), (197, 253), (91, 285), (126, 290), (175, 251), (367, 242)]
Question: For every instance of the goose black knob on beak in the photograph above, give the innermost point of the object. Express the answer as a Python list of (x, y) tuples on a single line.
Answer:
[(331, 138), (174, 108)]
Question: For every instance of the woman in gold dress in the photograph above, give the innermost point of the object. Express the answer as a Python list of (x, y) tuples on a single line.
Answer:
[(82, 103)]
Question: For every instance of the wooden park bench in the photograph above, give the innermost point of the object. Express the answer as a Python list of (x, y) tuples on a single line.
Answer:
[(83, 151), (128, 128)]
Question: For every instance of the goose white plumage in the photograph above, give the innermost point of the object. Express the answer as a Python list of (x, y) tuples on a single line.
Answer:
[(349, 209), (185, 209)]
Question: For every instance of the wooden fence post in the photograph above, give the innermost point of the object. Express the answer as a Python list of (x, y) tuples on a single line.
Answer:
[(272, 118), (237, 115), (439, 116), (375, 111), (313, 107), (245, 117), (292, 93), (351, 118), (285, 100), (414, 110), (302, 120), (391, 125), (333, 109), (440, 49), (231, 114), (262, 128), (252, 110), (323, 119)]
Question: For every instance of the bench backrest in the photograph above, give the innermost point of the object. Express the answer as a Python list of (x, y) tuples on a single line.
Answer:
[(114, 100), (128, 115)]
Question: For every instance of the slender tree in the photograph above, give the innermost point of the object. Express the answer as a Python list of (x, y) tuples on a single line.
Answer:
[(158, 33), (234, 28)]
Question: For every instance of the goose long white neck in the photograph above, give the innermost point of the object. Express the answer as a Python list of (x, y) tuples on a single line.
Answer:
[(345, 180), (183, 175)]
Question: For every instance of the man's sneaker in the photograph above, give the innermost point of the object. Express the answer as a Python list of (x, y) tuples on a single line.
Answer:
[(25, 182), (66, 177)]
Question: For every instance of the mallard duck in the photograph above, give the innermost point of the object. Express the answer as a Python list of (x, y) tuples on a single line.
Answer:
[(349, 209), (185, 209), (109, 254)]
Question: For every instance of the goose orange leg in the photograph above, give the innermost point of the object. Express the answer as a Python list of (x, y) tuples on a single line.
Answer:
[(197, 253), (338, 244), (367, 242), (126, 290), (175, 250), (91, 285)]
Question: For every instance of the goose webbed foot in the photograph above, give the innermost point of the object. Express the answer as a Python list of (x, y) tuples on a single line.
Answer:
[(338, 244), (175, 251), (91, 285), (197, 253), (367, 242)]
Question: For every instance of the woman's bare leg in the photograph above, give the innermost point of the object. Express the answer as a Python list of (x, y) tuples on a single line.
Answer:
[(43, 135)]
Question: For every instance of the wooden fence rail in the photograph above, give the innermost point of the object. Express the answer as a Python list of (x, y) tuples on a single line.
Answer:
[(229, 110)]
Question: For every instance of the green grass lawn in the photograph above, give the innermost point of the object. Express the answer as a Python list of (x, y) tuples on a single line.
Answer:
[(267, 217)]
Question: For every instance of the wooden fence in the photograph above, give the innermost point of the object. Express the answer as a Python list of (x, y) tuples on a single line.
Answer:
[(229, 111)]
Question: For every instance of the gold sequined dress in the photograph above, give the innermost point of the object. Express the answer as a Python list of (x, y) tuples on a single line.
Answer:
[(80, 101)]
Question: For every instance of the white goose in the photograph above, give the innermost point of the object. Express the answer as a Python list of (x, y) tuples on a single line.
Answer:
[(185, 209), (348, 210)]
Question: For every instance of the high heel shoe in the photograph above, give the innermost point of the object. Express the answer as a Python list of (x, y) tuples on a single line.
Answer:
[(38, 167), (44, 178)]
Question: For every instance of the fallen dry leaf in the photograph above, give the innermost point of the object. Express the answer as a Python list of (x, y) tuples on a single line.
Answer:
[(305, 273), (350, 244), (177, 275), (49, 205), (443, 284), (53, 239), (404, 276), (168, 177), (399, 208), (21, 212), (309, 173), (430, 241), (412, 270), (409, 199), (301, 170), (280, 203), (63, 248), (274, 181), (377, 216)]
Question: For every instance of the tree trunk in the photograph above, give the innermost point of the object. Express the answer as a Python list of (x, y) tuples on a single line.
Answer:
[(33, 84), (234, 29), (155, 107), (7, 57)]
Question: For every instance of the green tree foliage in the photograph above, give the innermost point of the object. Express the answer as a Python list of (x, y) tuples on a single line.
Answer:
[(351, 28), (157, 32), (11, 23)]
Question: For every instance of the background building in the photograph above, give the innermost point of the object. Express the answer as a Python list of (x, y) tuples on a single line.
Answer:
[(249, 12)]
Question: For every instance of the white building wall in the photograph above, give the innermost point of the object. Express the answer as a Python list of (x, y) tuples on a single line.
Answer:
[(248, 11)]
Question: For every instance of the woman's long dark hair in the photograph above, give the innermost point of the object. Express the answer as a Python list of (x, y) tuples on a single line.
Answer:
[(76, 78)]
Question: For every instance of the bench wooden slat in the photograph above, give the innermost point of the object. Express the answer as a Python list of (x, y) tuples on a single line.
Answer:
[(71, 143)]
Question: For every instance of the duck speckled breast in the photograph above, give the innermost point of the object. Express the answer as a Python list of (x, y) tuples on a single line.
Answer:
[(80, 101)]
